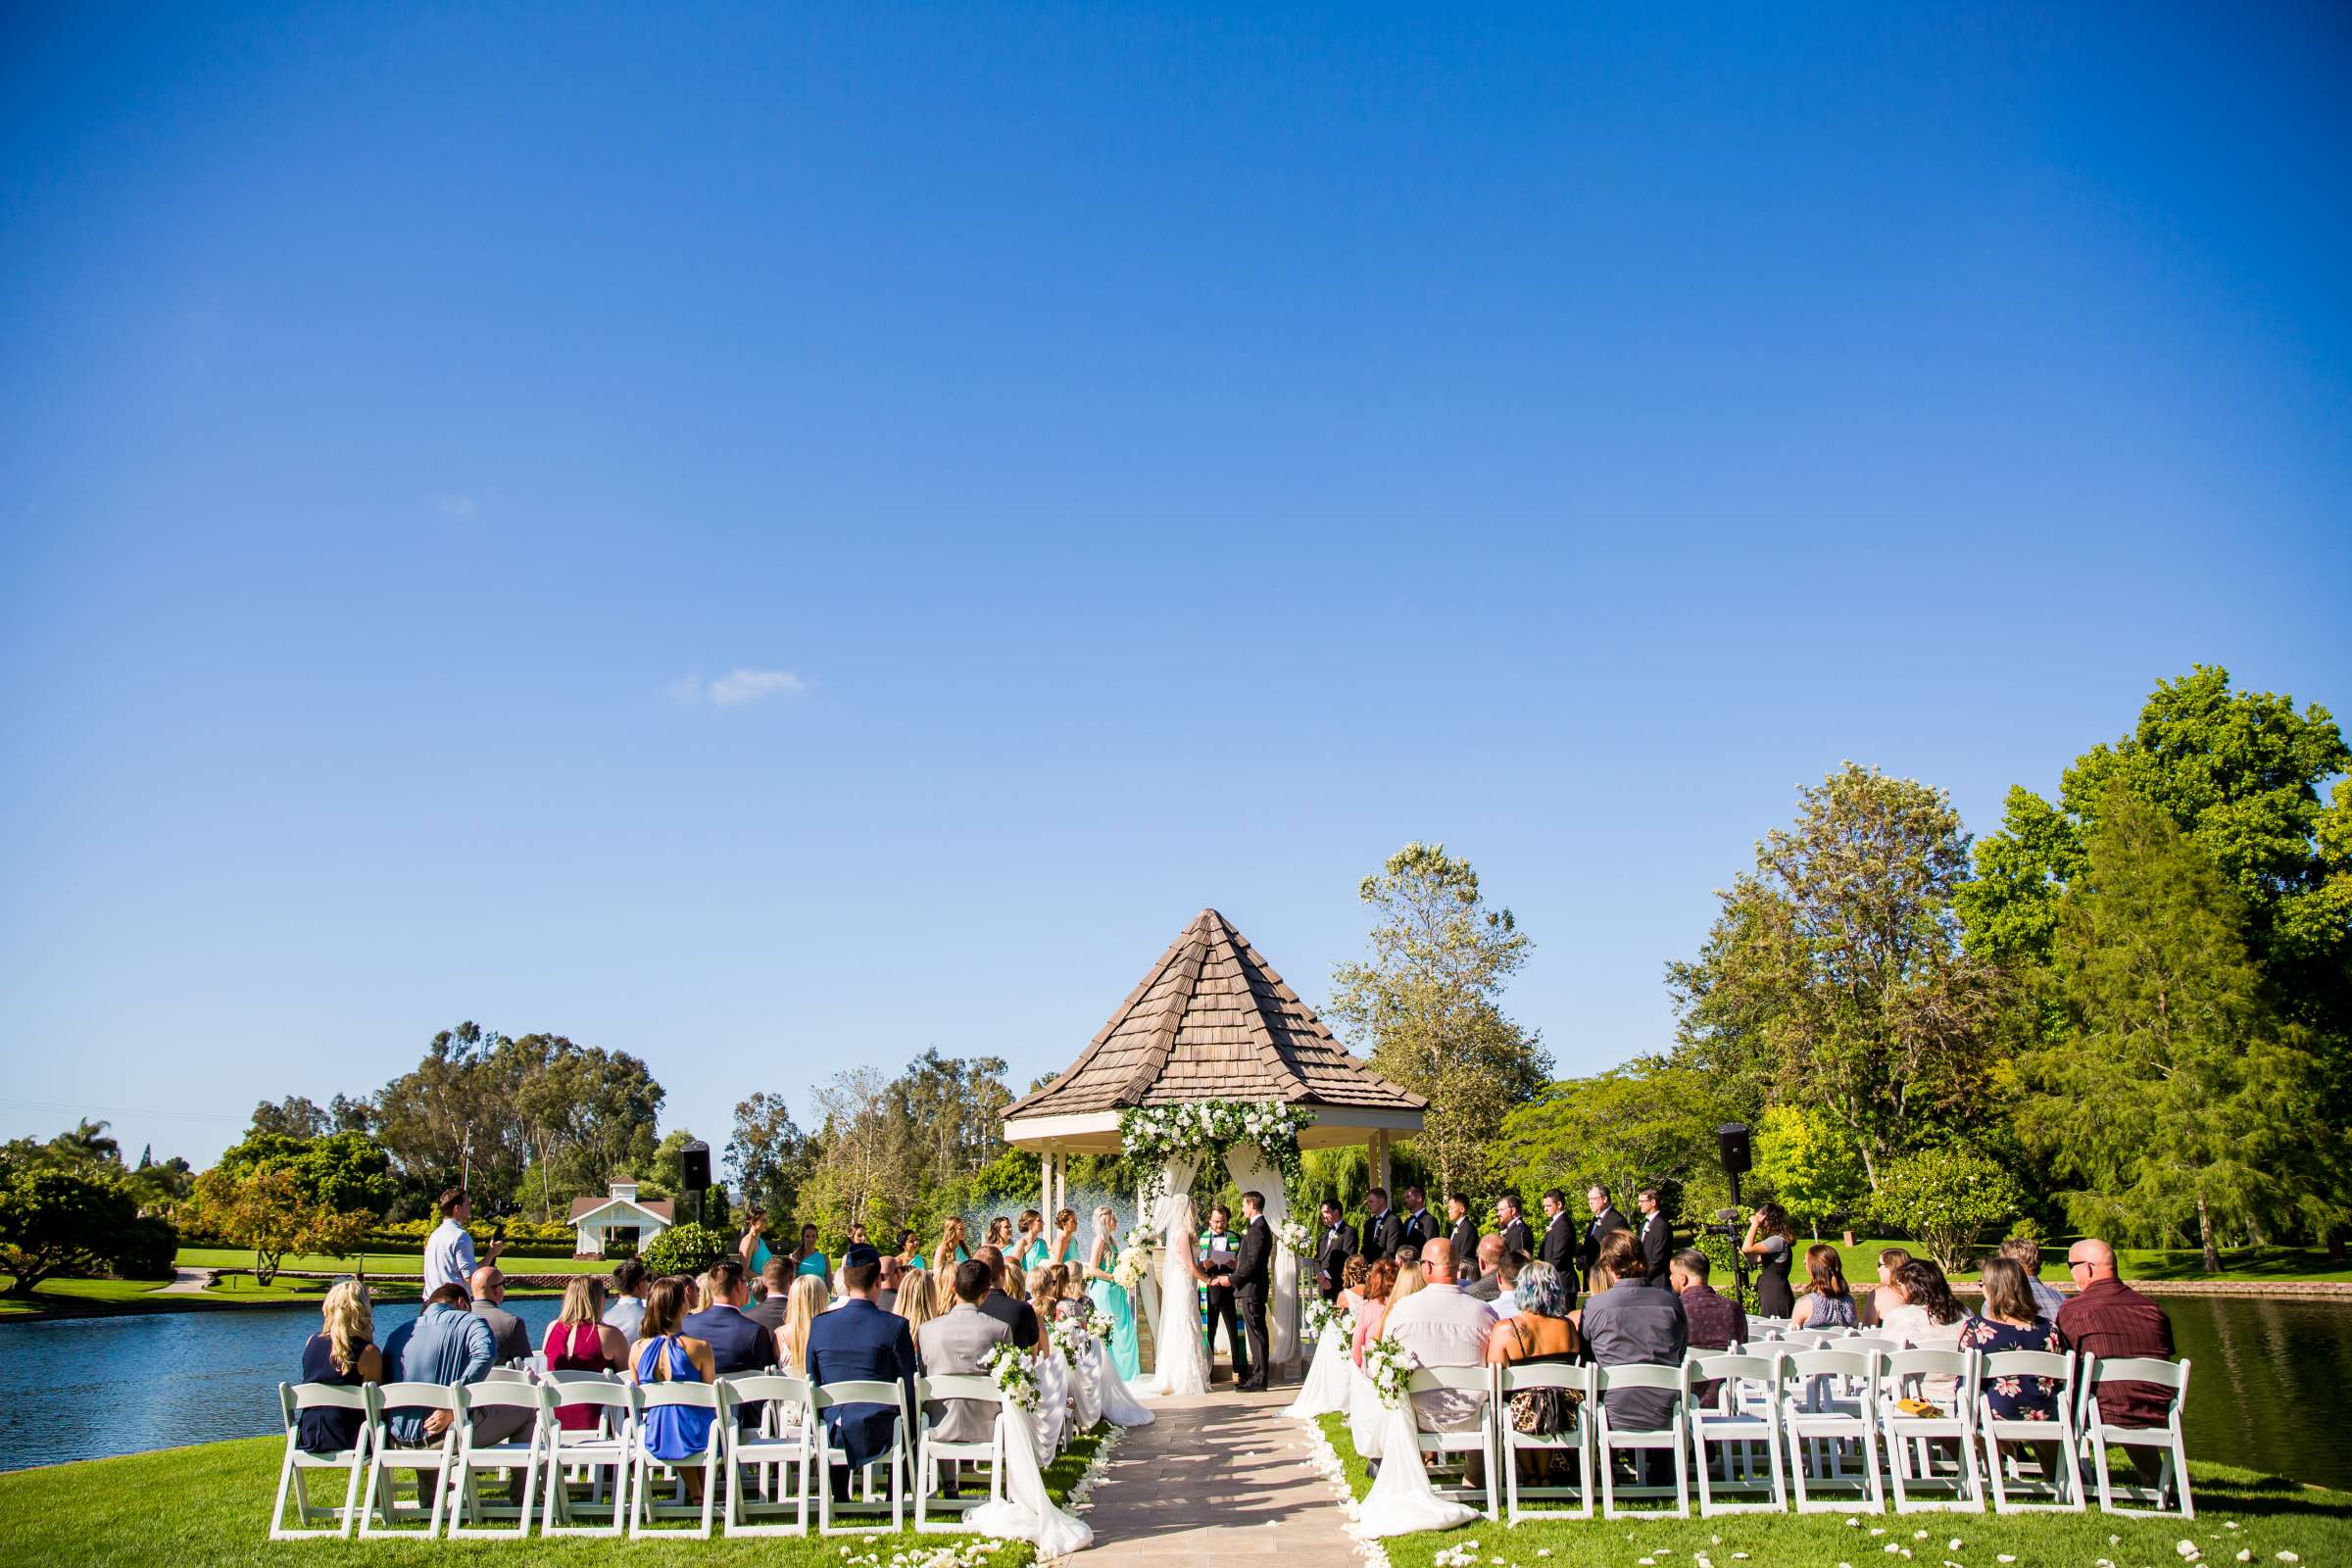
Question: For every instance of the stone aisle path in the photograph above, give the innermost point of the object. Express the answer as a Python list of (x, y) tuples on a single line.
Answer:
[(1219, 1477)]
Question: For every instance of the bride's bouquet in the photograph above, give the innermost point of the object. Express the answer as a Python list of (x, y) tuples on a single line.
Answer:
[(1133, 1269), (1296, 1238), (1008, 1368), (1390, 1366)]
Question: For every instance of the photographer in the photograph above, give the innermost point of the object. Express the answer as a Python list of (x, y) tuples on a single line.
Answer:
[(449, 1252)]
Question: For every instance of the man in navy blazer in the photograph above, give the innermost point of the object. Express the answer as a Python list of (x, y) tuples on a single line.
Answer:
[(737, 1342), (856, 1342)]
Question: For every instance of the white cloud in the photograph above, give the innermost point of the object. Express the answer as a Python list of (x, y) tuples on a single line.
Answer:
[(456, 508), (737, 687)]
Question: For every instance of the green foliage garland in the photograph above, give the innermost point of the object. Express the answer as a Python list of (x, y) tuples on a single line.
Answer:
[(1205, 1129)]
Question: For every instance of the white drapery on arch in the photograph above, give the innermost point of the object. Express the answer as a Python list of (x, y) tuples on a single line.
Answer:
[(1252, 1171)]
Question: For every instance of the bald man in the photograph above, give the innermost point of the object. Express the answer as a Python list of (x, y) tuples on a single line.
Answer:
[(489, 1295), (1440, 1325), (2108, 1319)]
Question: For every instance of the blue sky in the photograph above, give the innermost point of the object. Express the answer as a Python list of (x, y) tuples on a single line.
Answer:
[(1176, 456)]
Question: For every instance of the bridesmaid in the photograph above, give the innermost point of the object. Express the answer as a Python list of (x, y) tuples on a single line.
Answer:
[(1103, 1289), (1031, 1252), (1064, 1247)]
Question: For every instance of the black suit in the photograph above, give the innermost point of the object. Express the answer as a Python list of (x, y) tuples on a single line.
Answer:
[(1558, 1248), (1252, 1278), (1019, 1316), (1465, 1242), (1381, 1234), (1419, 1228), (1656, 1238), (1608, 1220), (1516, 1237), (1331, 1259)]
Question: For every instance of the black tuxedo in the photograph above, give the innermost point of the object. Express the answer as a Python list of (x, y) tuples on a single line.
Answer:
[(1558, 1246), (1516, 1237), (1331, 1257), (1608, 1220), (1656, 1239), (1382, 1235), (1252, 1280), (1465, 1242), (1419, 1228)]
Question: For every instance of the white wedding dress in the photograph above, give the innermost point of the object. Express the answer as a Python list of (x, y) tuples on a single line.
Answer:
[(1179, 1365)]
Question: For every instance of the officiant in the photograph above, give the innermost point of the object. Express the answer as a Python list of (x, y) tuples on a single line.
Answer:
[(1220, 1247)]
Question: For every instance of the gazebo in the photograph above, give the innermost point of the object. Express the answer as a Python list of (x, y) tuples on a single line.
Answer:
[(1212, 1021)]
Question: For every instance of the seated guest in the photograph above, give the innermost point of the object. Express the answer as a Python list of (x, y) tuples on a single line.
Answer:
[(1506, 1282), (1868, 1304), (445, 1344), (737, 1342), (1009, 1309), (860, 1342), (1921, 1314), (2025, 1254), (914, 1303), (1379, 1280), (630, 1282), (668, 1354), (1439, 1326), (514, 1341), (2114, 1322), (775, 1298), (1353, 1274), (1626, 1323), (2010, 1321), (885, 1293), (952, 1345), (1488, 1286), (341, 1353), (809, 1301), (1537, 1332), (578, 1341), (1406, 1253), (1826, 1303), (1712, 1321)]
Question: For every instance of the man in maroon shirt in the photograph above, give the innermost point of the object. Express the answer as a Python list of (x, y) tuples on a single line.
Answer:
[(2110, 1320)]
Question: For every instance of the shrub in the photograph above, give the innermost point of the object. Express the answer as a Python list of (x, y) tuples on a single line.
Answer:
[(1944, 1199), (687, 1249), (146, 1252)]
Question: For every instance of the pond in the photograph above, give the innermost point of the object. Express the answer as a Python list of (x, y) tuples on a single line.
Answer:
[(78, 1389)]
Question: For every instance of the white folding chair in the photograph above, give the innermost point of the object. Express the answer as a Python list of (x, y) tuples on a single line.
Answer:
[(1817, 1423), (382, 1513), (1914, 1441), (645, 1506), (523, 1452), (1576, 1441), (1744, 1412), (2061, 1492), (1453, 1448), (2100, 1435), (931, 1452), (609, 1450), (862, 1392), (772, 1449), (299, 1464), (1610, 1440)]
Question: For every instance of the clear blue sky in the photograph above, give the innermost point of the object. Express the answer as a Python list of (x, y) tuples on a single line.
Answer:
[(1176, 457)]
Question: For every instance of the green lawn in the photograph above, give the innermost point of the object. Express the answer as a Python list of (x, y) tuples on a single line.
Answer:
[(210, 1504), (109, 1298), (2237, 1510)]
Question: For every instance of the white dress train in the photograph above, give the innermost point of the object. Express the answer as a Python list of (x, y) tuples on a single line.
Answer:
[(1402, 1500), (1327, 1376), (1025, 1512)]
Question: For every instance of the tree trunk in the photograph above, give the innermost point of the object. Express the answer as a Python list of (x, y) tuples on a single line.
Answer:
[(265, 1268), (2213, 1256)]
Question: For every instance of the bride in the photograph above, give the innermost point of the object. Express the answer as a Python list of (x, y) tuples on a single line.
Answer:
[(1181, 1366)]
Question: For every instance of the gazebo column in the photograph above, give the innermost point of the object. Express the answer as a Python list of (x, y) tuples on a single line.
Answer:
[(1379, 1160)]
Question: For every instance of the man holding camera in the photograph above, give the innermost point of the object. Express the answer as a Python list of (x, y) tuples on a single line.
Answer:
[(449, 1252)]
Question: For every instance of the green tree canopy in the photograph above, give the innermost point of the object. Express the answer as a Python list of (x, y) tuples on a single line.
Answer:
[(1650, 1123), (1810, 1164)]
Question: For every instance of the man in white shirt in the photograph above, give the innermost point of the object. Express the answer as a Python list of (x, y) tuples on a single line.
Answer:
[(449, 1252), (1440, 1325)]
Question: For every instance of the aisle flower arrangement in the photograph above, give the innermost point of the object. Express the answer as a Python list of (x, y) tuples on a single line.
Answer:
[(1099, 1323), (1323, 1316), (1295, 1237), (1065, 1333), (1008, 1368), (1390, 1366)]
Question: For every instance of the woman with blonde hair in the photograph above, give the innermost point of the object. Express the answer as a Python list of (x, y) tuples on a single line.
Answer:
[(915, 1302), (1409, 1278), (952, 1248), (809, 1297), (343, 1356), (1103, 1289), (580, 1341)]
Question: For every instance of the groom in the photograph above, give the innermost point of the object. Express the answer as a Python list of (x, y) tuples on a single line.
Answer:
[(1251, 1277)]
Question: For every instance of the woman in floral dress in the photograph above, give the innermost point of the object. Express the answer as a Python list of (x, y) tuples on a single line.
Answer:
[(2010, 1321)]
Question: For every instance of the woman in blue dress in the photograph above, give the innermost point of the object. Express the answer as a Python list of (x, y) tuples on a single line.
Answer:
[(673, 1432), (1103, 1289), (1030, 1252), (753, 1249), (813, 1258)]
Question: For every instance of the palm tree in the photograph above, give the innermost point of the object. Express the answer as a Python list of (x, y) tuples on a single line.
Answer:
[(87, 1144)]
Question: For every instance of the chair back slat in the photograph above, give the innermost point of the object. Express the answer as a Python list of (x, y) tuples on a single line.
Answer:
[(957, 1385), (325, 1397), (1640, 1375), (506, 1397), (1547, 1375), (2140, 1369), (1925, 1363), (2053, 1364), (1735, 1364), (1461, 1379), (693, 1395), (1829, 1363), (417, 1395), (589, 1388), (859, 1392)]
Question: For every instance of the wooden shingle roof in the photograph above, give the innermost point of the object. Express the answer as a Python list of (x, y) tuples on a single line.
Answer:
[(1213, 1021)]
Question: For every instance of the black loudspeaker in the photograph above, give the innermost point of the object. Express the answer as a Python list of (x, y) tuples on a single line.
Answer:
[(694, 1166), (1731, 1140)]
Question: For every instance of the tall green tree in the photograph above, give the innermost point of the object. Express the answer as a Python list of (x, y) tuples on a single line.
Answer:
[(768, 1157), (1812, 1167), (1429, 1001), (2176, 1097), (1834, 977)]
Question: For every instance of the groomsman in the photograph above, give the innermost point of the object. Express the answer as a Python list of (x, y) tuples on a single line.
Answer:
[(1516, 1237), (1558, 1246), (1252, 1274), (1605, 1219), (1382, 1231), (1655, 1237), (1337, 1247), (1463, 1232), (1420, 1225)]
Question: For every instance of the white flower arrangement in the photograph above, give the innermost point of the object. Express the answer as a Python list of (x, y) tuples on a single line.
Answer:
[(1065, 1333), (1099, 1323), (1296, 1238), (1132, 1268), (1323, 1316), (1390, 1366), (1008, 1367)]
